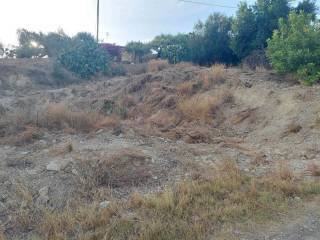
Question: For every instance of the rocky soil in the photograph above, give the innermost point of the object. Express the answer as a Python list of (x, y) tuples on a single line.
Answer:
[(270, 121)]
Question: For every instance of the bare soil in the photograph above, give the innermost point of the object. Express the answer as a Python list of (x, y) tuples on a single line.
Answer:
[(271, 120)]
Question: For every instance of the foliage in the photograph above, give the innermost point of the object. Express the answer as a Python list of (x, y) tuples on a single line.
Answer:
[(32, 43), (295, 47), (29, 52), (85, 57), (253, 25), (244, 30), (307, 6), (54, 42), (171, 47), (209, 42), (138, 49), (268, 13)]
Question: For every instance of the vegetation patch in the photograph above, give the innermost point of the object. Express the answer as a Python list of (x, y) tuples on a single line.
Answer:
[(197, 209)]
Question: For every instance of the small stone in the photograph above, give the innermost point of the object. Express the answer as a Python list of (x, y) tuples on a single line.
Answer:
[(44, 191), (104, 204), (43, 195), (99, 131), (53, 166), (296, 198), (74, 172), (57, 166)]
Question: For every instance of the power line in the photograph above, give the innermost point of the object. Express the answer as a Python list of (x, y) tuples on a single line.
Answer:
[(207, 4)]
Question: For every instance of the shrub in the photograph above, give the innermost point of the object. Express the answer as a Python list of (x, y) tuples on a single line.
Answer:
[(85, 58), (202, 107), (117, 70), (295, 48), (60, 117), (215, 75), (157, 65), (29, 52)]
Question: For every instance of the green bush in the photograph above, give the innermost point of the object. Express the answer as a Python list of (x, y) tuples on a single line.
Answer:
[(85, 57), (295, 47), (29, 52)]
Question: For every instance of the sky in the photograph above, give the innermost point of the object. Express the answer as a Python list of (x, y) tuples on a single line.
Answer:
[(120, 20)]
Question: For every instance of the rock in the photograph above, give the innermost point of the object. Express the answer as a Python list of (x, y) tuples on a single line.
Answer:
[(74, 172), (298, 199), (53, 166), (56, 166), (43, 196), (99, 131), (104, 204)]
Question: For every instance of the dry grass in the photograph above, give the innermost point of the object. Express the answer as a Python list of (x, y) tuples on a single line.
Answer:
[(197, 209), (184, 65), (163, 118), (203, 106), (28, 135), (58, 116), (188, 88), (127, 167), (215, 75), (157, 65), (314, 169), (62, 149)]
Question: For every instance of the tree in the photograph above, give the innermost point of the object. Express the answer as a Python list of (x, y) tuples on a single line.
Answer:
[(210, 41), (54, 42), (85, 57), (244, 31), (171, 47), (32, 44), (295, 47), (268, 13), (253, 25), (307, 6), (138, 50)]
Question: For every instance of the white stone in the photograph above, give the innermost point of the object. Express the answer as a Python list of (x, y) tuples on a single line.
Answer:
[(104, 204)]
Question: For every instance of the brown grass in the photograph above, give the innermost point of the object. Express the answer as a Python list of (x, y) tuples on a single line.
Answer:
[(184, 64), (188, 88), (58, 116), (157, 65), (197, 209), (202, 107), (127, 167), (215, 75), (28, 135), (163, 118), (314, 169)]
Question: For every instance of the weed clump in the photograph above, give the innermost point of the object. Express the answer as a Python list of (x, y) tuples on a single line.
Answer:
[(157, 65)]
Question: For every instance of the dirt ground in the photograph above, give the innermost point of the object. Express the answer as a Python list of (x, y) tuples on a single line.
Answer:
[(271, 120)]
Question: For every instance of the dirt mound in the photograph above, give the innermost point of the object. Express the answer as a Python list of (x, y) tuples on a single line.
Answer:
[(30, 73)]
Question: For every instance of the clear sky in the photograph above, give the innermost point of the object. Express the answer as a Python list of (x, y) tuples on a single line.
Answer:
[(123, 20)]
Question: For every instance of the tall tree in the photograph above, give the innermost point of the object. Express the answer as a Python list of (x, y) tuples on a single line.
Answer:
[(210, 41), (244, 31), (137, 49), (268, 13), (309, 7)]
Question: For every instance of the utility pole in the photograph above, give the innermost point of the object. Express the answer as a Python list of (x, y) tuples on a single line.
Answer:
[(98, 18)]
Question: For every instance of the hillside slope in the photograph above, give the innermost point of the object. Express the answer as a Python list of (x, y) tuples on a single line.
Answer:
[(105, 139)]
